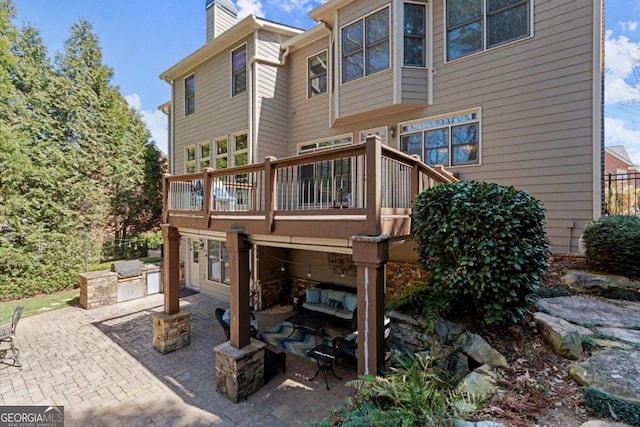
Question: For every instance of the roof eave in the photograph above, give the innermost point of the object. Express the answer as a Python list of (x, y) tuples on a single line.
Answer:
[(325, 11)]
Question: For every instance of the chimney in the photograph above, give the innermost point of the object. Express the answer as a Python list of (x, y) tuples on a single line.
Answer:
[(221, 15)]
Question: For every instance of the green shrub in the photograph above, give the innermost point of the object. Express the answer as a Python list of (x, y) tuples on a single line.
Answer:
[(604, 405), (613, 244), (484, 246)]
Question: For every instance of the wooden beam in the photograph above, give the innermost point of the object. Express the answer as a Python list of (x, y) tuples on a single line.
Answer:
[(171, 271)]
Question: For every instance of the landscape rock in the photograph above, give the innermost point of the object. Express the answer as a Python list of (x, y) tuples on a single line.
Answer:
[(560, 334), (479, 350), (481, 383), (600, 423), (590, 312), (463, 423), (448, 330), (614, 371), (628, 335), (599, 284)]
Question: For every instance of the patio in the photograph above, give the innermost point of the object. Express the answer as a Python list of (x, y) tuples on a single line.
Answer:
[(101, 366)]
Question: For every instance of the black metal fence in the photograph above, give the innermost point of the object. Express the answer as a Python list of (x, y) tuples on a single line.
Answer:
[(622, 193)]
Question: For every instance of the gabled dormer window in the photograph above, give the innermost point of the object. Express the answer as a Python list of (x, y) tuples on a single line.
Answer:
[(365, 46), (477, 25), (414, 34), (317, 74), (190, 95), (239, 71)]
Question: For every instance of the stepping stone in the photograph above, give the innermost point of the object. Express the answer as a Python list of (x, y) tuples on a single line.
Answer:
[(590, 312)]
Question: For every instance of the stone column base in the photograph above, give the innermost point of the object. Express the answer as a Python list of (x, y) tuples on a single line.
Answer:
[(239, 372), (171, 331)]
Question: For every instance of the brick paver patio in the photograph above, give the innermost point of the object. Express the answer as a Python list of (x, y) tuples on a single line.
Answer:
[(100, 364)]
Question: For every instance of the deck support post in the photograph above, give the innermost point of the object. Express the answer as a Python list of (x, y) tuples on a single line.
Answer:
[(370, 255), (240, 277), (171, 270)]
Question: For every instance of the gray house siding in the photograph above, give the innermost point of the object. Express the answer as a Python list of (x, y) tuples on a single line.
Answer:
[(272, 110)]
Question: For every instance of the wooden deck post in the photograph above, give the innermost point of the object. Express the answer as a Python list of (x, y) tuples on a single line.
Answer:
[(373, 171), (171, 272), (370, 254), (240, 277)]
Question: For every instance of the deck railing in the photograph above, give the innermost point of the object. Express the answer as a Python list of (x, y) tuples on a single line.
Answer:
[(340, 178), (622, 193)]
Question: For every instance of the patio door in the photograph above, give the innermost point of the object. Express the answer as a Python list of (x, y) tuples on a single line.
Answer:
[(195, 252)]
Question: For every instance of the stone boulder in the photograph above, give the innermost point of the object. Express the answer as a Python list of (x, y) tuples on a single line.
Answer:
[(481, 383), (563, 336), (599, 284), (614, 371), (479, 350)]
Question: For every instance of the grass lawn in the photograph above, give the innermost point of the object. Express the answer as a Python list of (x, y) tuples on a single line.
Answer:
[(39, 304)]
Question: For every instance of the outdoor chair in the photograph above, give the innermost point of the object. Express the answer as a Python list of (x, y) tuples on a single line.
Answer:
[(7, 335), (223, 318)]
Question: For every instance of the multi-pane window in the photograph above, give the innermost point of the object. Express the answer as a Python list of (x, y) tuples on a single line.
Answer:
[(190, 95), (240, 150), (476, 25), (204, 155), (190, 159), (365, 46), (218, 262), (239, 71), (450, 141), (221, 150), (317, 74), (414, 34), (382, 132)]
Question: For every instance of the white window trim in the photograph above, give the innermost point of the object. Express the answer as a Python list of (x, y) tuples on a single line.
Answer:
[(477, 110), (484, 33), (187, 162), (328, 74), (426, 36), (364, 45), (375, 131), (184, 94), (214, 150), (232, 150), (246, 69), (321, 140)]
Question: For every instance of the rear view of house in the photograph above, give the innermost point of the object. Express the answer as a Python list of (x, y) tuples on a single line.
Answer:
[(289, 146)]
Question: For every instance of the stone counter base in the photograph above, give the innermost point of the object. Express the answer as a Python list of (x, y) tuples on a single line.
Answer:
[(171, 331), (239, 372)]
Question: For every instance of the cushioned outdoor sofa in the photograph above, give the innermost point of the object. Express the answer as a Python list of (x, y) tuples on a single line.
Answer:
[(335, 303)]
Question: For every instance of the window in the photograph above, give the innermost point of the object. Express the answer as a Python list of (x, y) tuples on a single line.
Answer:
[(451, 140), (190, 95), (317, 74), (218, 263), (239, 71), (382, 132), (414, 34), (221, 147), (328, 183), (190, 159), (204, 155), (476, 25), (240, 150), (365, 46)]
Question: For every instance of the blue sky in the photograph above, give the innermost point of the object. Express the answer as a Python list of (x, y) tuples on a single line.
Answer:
[(142, 38)]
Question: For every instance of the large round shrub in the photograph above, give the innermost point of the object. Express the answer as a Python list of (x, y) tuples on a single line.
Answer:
[(613, 244), (484, 245)]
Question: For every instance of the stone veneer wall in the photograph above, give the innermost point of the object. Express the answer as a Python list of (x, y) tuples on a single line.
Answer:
[(239, 372), (171, 331), (274, 292), (398, 274), (98, 288)]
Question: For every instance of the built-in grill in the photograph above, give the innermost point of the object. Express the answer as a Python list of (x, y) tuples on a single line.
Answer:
[(126, 269)]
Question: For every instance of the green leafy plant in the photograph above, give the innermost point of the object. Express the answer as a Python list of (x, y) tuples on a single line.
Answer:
[(484, 246), (605, 405), (613, 244), (422, 299)]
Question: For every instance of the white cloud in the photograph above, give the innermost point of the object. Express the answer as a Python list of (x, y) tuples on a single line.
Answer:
[(296, 5), (628, 26), (622, 72), (155, 120), (617, 133), (249, 7)]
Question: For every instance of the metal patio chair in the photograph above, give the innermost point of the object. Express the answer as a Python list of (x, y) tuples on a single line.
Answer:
[(7, 335)]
